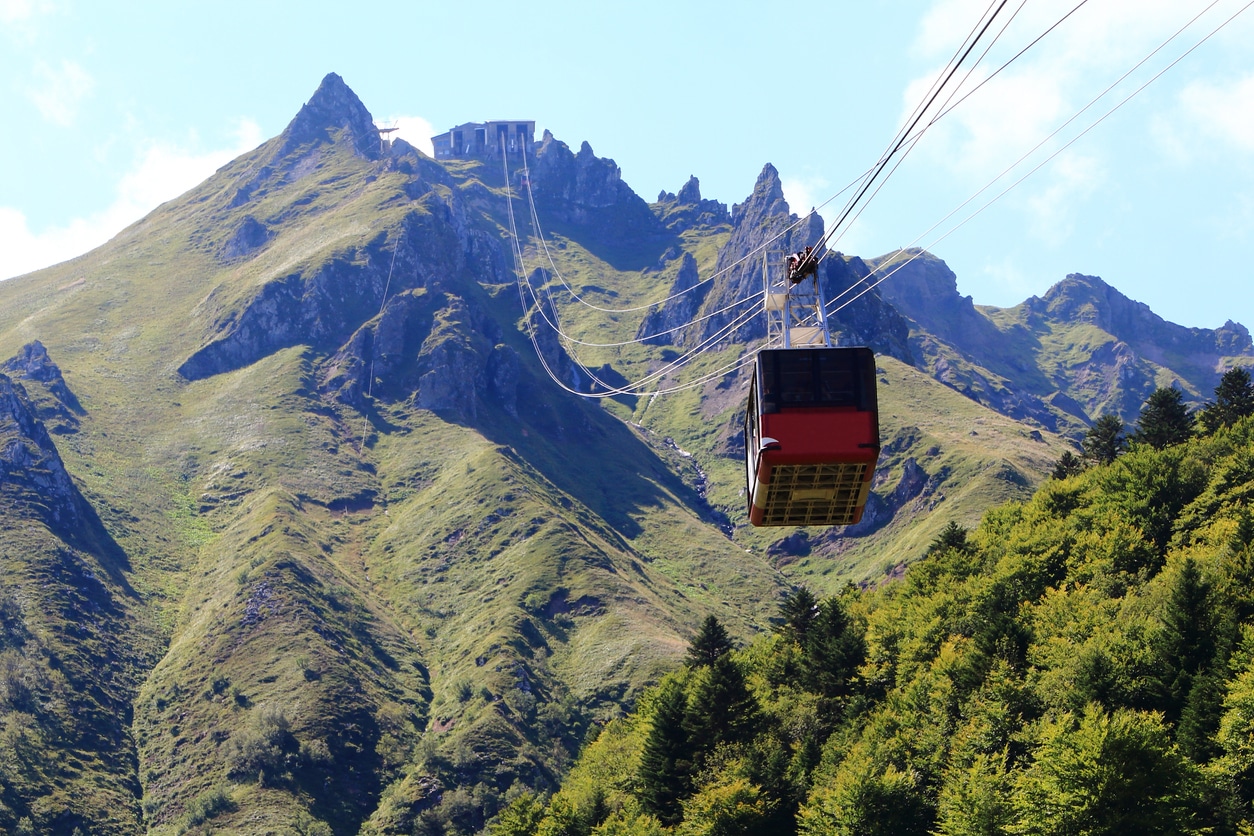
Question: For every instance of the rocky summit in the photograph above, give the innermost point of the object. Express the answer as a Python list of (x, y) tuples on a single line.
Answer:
[(313, 521)]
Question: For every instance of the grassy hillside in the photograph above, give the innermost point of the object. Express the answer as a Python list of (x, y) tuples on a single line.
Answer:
[(330, 618)]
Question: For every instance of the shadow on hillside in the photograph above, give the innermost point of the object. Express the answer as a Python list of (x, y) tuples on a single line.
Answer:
[(595, 459), (92, 536), (623, 249)]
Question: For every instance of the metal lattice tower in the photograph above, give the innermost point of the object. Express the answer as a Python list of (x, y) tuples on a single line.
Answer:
[(796, 314)]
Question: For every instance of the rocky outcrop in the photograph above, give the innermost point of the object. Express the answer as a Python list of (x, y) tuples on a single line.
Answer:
[(326, 303), (881, 508), (688, 210), (60, 409), (249, 236), (858, 314), (334, 115), (436, 350), (332, 109), (762, 225), (31, 471), (1088, 299), (662, 324), (1120, 349), (587, 191)]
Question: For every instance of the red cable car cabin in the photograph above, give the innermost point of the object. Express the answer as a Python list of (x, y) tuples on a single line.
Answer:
[(811, 435)]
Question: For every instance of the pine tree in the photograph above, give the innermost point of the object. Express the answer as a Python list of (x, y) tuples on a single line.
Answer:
[(1164, 421), (709, 644), (834, 651), (1186, 644), (952, 536), (722, 709), (664, 775), (1105, 440), (799, 611), (1068, 465), (1234, 400)]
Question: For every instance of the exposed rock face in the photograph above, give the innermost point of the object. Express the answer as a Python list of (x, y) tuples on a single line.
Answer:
[(660, 326), (1081, 298), (586, 190), (434, 348), (30, 466), (915, 484), (61, 409), (431, 340), (333, 115), (860, 315), (1113, 366), (327, 304), (249, 236), (333, 107), (760, 224), (687, 210)]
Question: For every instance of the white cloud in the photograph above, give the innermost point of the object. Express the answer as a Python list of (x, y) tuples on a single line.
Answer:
[(803, 194), (1072, 178), (415, 130), (16, 13), (1069, 67), (58, 91), (1222, 111), (162, 172)]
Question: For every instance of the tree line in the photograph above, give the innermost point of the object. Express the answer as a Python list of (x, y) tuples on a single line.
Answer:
[(1165, 420)]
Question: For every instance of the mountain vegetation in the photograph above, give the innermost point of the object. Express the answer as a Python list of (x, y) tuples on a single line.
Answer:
[(1082, 662), (300, 531)]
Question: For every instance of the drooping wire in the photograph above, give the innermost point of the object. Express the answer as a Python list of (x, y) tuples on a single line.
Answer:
[(906, 137), (387, 286), (737, 322), (635, 388), (543, 243), (834, 307), (907, 141)]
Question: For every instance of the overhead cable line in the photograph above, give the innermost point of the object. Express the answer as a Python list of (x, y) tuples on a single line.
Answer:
[(387, 286), (905, 135), (898, 267), (609, 390)]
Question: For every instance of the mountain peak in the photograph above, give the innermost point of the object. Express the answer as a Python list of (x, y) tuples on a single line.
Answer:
[(767, 198), (333, 107)]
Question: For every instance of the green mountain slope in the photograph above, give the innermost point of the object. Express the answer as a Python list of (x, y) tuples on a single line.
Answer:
[(387, 582), (300, 534), (1080, 351)]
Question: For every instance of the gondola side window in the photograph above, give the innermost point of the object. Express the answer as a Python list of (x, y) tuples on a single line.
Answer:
[(751, 423)]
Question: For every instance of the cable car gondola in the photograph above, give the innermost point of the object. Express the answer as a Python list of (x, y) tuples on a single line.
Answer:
[(812, 420), (811, 435)]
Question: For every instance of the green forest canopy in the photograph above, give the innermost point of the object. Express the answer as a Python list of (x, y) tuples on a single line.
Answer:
[(1082, 663)]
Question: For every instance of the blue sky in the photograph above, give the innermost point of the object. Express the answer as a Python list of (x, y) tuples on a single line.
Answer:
[(113, 108)]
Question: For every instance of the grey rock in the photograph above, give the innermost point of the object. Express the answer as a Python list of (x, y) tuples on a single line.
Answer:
[(60, 408)]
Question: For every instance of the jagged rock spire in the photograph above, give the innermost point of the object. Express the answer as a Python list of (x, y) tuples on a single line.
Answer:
[(690, 194), (334, 106)]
